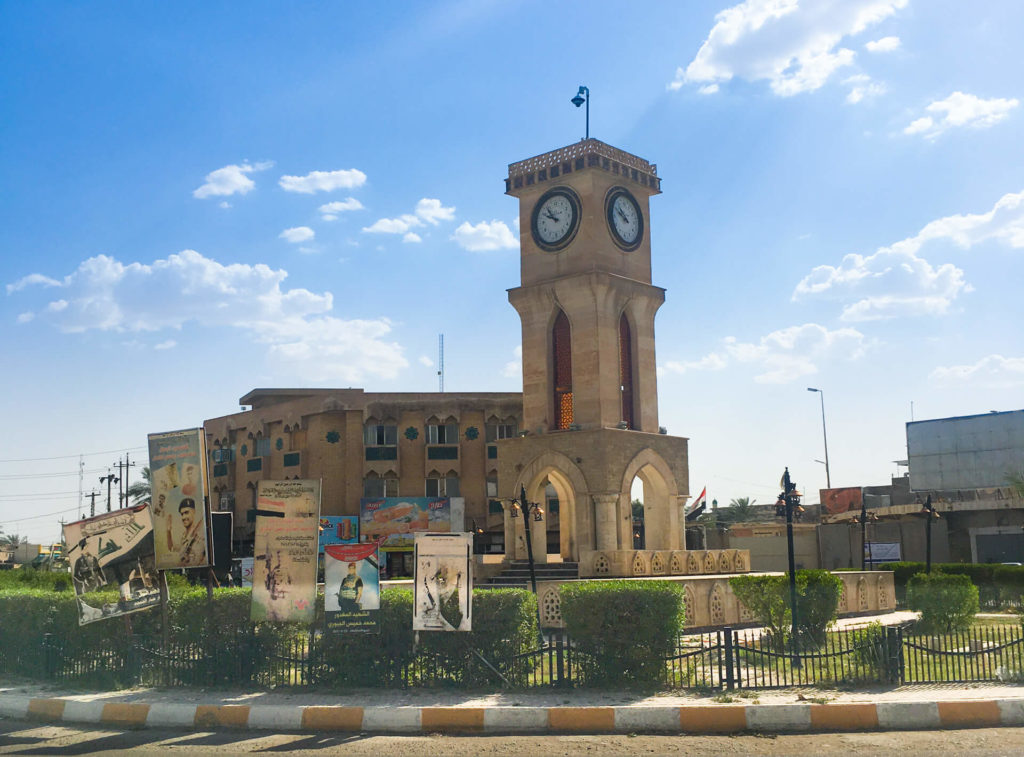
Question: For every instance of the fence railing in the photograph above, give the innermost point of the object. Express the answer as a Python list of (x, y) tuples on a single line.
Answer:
[(719, 660)]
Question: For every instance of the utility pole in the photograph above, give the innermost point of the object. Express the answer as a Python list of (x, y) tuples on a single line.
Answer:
[(110, 478), (92, 502), (122, 469)]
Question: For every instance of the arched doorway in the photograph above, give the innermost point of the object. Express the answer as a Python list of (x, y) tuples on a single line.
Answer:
[(650, 477)]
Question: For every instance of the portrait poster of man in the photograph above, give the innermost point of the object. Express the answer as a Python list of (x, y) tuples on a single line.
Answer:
[(351, 588), (181, 524), (443, 582), (285, 551), (113, 550)]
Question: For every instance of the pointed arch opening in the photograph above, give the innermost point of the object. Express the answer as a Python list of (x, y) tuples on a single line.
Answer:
[(561, 343), (626, 371)]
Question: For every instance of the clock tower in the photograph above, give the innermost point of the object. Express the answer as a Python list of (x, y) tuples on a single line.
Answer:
[(586, 301), (590, 403)]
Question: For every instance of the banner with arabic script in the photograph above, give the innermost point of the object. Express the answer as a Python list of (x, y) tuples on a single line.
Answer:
[(284, 571), (181, 524), (113, 551), (352, 588)]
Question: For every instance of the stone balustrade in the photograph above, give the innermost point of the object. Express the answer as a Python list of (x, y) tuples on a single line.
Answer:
[(631, 563)]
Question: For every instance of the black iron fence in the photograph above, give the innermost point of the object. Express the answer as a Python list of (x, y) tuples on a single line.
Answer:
[(719, 660)]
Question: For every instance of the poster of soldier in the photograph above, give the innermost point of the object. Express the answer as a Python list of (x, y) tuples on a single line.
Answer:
[(180, 522), (284, 571), (113, 549), (443, 593), (351, 588)]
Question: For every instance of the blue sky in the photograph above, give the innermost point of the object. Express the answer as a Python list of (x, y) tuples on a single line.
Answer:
[(200, 199)]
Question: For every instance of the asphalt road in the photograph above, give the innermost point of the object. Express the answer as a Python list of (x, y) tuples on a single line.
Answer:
[(20, 737)]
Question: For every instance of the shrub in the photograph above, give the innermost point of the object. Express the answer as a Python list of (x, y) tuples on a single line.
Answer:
[(623, 630), (947, 603), (504, 625), (767, 598)]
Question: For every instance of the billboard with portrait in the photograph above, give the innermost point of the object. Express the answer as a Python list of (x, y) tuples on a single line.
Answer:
[(443, 582), (837, 501), (285, 551), (113, 550), (181, 523), (398, 519), (352, 588)]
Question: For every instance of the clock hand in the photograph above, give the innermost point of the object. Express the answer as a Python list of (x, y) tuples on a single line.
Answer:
[(551, 215), (622, 215)]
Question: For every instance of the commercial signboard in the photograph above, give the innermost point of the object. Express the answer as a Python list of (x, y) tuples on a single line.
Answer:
[(398, 519), (181, 522), (443, 585), (338, 529), (284, 572), (113, 549), (843, 500), (352, 588)]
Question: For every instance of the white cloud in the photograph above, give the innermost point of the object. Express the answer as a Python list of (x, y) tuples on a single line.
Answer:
[(883, 45), (991, 372), (230, 180), (426, 361), (431, 211), (961, 110), (330, 211), (792, 45), (33, 279), (167, 345), (225, 204), (781, 356), (412, 238), (514, 368), (393, 225), (862, 87), (25, 317), (323, 181), (708, 89), (428, 211), (485, 236), (297, 234), (302, 338), (895, 281)]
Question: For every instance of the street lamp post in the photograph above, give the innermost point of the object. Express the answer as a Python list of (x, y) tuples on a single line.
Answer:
[(929, 511), (537, 512), (824, 434), (578, 100), (790, 499)]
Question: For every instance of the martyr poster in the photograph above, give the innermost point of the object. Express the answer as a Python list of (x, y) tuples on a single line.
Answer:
[(352, 588), (285, 551), (443, 582), (113, 550), (181, 523)]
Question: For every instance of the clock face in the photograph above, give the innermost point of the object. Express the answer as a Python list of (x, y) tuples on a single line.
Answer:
[(625, 219), (555, 219)]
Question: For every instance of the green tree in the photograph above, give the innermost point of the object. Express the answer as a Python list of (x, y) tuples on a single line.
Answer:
[(141, 491), (738, 510), (12, 540)]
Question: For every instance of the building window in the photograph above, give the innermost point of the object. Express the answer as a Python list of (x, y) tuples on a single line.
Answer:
[(626, 370), (442, 433), (298, 439), (292, 459), (442, 486), (492, 485), (380, 435), (220, 469), (254, 465), (376, 487), (561, 343), (262, 447), (505, 430)]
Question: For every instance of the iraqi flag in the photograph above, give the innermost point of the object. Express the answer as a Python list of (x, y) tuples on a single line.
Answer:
[(698, 505)]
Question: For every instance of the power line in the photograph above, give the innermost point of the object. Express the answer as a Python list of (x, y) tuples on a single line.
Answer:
[(37, 494), (37, 517), (65, 457), (16, 476)]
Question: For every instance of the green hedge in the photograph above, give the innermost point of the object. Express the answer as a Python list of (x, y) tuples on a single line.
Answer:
[(947, 603), (996, 584), (623, 630), (229, 649)]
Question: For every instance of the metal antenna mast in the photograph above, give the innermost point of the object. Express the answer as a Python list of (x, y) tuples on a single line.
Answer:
[(440, 362)]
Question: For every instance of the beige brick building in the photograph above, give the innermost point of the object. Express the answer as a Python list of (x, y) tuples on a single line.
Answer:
[(584, 428)]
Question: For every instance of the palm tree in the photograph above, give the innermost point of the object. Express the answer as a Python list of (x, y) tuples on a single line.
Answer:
[(739, 510), (12, 540), (141, 491)]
